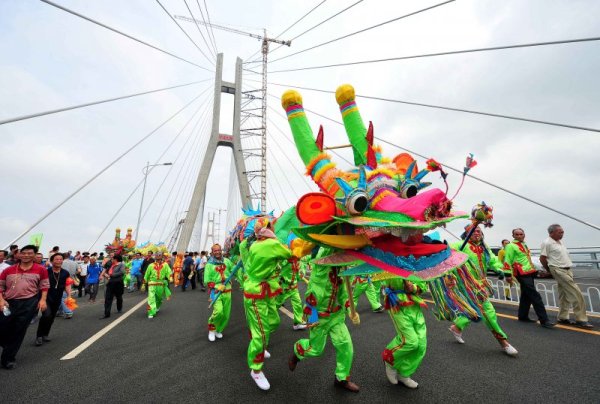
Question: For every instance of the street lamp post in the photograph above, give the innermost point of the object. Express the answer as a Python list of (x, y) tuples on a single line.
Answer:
[(145, 171)]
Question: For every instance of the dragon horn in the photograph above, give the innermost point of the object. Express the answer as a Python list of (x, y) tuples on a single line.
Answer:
[(355, 128), (291, 101), (320, 137)]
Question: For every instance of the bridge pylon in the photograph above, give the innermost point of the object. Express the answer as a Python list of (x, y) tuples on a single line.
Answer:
[(217, 139)]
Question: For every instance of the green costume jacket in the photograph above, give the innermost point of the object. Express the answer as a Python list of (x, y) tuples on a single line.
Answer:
[(262, 272), (216, 272), (326, 291), (155, 276), (518, 259)]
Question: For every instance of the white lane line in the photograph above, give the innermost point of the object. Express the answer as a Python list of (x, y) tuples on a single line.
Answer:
[(73, 354), (286, 312)]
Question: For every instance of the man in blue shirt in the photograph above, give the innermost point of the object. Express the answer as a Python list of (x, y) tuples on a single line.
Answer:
[(136, 272), (93, 278), (188, 274)]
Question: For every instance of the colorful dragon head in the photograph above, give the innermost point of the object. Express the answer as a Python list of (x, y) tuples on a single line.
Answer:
[(373, 212)]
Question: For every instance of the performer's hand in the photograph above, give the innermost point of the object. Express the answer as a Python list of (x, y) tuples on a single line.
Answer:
[(409, 287), (355, 319)]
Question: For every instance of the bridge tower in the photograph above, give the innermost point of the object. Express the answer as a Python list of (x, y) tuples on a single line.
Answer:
[(216, 139)]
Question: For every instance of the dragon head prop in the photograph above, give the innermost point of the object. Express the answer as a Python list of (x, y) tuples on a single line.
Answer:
[(373, 214)]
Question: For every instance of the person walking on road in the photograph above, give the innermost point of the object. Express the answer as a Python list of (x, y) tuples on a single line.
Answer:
[(555, 258), (82, 272), (518, 259), (23, 291), (157, 279), (216, 272), (481, 259), (188, 272), (93, 279), (60, 281), (114, 285)]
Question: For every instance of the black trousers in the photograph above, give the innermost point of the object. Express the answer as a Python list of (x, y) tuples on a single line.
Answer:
[(47, 318), (529, 296), (14, 327), (201, 277), (93, 290), (81, 288), (113, 290), (185, 280)]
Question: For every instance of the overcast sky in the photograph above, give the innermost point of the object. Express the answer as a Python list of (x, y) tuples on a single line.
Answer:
[(52, 59)]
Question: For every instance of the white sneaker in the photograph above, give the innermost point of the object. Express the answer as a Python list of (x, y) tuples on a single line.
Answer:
[(297, 327), (391, 374), (218, 335), (260, 380), (267, 354), (457, 336), (510, 350), (408, 382), (149, 316), (211, 336)]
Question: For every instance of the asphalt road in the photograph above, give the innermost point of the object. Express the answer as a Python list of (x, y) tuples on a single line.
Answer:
[(169, 359)]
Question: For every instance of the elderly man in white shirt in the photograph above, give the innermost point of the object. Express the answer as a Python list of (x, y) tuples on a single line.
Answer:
[(555, 258)]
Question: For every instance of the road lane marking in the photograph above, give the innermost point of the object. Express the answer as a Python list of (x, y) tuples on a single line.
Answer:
[(565, 327), (286, 312), (73, 354)]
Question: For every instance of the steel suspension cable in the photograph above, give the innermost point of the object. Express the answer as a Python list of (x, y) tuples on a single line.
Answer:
[(87, 104), (199, 30), (468, 111), (364, 30), (121, 33), (190, 136), (202, 116), (140, 183), (41, 219), (274, 158), (185, 32), (446, 53), (296, 22), (208, 27), (196, 147), (313, 27)]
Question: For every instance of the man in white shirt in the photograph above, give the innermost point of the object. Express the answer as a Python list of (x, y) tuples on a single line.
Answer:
[(555, 258), (3, 264)]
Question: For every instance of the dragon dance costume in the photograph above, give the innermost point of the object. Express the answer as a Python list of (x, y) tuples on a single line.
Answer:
[(327, 299), (406, 351), (291, 272), (216, 272), (261, 287), (365, 285), (157, 279), (481, 258)]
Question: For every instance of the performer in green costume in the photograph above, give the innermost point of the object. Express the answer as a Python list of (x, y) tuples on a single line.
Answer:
[(481, 258), (157, 280), (261, 286), (404, 353), (216, 271), (291, 272), (327, 296), (364, 284)]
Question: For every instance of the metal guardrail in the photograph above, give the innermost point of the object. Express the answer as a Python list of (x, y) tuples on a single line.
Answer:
[(503, 292)]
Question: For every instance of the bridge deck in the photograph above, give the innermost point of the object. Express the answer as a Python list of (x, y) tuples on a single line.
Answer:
[(169, 359)]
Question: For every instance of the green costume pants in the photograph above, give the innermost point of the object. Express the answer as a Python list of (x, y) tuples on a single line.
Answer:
[(490, 319), (263, 319), (406, 351), (156, 294), (334, 327), (294, 296), (370, 290), (221, 313)]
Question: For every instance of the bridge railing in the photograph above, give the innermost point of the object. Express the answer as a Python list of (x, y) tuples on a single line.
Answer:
[(582, 257), (503, 292)]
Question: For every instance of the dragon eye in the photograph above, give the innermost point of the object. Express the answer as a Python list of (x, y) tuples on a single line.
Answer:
[(408, 191), (357, 203)]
